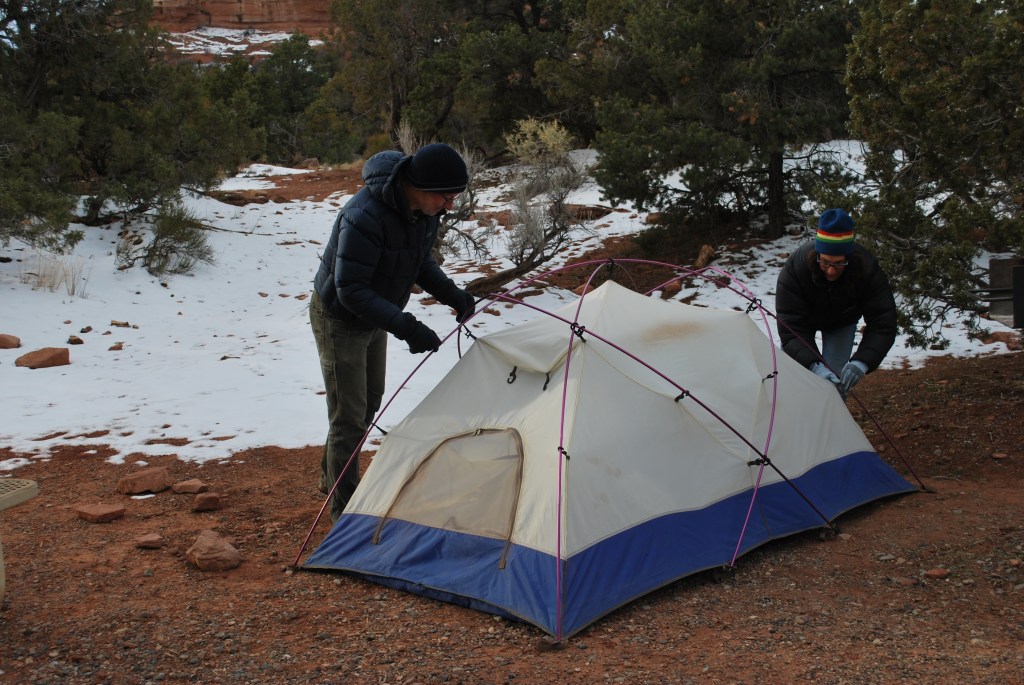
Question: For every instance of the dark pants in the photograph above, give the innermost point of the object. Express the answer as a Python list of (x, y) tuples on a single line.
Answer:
[(353, 362)]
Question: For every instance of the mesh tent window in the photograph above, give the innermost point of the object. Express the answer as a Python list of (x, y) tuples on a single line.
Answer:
[(469, 483)]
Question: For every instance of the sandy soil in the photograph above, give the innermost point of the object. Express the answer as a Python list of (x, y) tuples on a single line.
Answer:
[(922, 588)]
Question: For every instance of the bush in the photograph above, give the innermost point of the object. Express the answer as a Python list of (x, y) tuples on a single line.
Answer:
[(177, 243)]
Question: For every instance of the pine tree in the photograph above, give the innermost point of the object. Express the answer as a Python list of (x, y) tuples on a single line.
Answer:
[(723, 94), (936, 92)]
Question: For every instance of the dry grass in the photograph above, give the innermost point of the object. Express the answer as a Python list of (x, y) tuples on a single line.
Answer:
[(53, 272)]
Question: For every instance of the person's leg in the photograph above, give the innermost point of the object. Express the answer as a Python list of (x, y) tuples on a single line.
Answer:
[(343, 362), (837, 346), (376, 373)]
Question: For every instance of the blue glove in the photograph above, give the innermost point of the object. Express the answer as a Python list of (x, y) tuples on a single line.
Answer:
[(852, 373), (821, 370), (422, 339), (465, 306)]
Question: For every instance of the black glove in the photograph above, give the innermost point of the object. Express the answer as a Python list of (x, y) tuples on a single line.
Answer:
[(422, 339), (464, 306)]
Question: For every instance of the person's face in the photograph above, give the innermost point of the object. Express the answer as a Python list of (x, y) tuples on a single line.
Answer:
[(429, 202), (832, 266)]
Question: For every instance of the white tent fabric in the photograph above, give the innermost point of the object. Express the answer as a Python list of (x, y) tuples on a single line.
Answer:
[(568, 465)]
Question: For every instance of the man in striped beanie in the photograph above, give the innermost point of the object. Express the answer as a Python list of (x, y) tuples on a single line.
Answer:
[(827, 286)]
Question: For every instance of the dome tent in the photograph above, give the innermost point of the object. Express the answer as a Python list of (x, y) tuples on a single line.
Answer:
[(568, 465)]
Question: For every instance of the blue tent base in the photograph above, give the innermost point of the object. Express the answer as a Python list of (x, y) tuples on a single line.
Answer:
[(464, 569)]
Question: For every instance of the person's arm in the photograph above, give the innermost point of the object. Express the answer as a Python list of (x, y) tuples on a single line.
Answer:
[(432, 279), (880, 328), (795, 325)]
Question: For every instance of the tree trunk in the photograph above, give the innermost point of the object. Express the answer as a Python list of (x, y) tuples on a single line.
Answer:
[(776, 196)]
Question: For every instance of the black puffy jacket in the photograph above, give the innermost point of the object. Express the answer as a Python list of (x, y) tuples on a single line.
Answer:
[(377, 250), (805, 302)]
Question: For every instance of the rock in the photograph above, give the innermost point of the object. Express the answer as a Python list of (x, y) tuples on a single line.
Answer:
[(587, 212), (191, 486), (75, 340), (212, 552), (936, 573), (283, 15), (45, 357), (9, 342), (155, 479), (671, 289), (206, 501), (100, 513), (150, 541), (704, 256)]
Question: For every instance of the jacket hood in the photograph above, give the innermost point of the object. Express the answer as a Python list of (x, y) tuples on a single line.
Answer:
[(381, 173)]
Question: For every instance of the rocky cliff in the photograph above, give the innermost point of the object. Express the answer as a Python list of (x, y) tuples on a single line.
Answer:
[(180, 16)]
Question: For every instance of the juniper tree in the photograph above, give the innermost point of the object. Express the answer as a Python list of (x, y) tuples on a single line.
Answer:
[(936, 94)]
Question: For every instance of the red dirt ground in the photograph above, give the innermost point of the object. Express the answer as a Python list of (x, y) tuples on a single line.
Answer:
[(923, 588)]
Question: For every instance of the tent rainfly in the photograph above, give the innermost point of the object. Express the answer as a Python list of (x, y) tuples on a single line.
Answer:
[(578, 461)]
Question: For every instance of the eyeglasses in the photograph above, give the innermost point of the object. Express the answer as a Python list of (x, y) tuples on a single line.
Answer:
[(832, 265), (449, 197)]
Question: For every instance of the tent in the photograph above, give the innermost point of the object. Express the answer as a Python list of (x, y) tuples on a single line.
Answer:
[(570, 464)]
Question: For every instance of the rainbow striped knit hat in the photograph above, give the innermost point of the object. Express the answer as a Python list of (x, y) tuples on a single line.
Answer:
[(835, 233)]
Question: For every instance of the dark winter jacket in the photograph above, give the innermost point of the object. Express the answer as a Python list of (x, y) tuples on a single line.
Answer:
[(805, 302), (377, 250)]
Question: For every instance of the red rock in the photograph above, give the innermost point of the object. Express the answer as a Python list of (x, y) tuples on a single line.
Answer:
[(212, 552), (191, 486), (45, 357), (936, 573), (155, 479), (100, 513), (264, 15), (206, 501), (9, 342), (150, 541)]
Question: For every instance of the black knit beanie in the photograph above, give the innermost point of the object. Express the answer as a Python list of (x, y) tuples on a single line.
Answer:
[(437, 168)]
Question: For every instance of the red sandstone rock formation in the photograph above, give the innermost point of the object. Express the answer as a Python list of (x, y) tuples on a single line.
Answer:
[(180, 16)]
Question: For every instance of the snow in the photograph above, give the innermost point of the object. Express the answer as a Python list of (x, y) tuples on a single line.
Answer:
[(222, 360)]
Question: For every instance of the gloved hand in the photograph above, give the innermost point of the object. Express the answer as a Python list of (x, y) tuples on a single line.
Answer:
[(422, 339), (852, 373), (821, 370), (465, 306)]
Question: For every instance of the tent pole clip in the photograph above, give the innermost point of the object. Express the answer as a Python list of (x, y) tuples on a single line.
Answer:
[(682, 396), (512, 376)]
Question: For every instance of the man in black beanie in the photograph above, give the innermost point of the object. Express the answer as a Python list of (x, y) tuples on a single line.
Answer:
[(380, 247)]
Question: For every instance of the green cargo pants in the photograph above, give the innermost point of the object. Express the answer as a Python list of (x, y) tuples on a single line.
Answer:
[(353, 362)]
